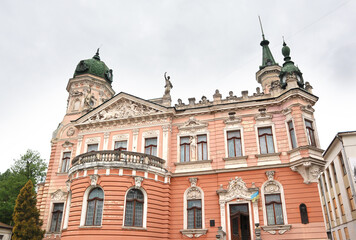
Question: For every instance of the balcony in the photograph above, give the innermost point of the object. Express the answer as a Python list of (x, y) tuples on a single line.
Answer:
[(112, 158)]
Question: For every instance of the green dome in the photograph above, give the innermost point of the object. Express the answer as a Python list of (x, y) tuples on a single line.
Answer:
[(95, 67)]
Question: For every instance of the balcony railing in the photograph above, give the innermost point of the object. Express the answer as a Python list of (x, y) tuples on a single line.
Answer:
[(119, 156)]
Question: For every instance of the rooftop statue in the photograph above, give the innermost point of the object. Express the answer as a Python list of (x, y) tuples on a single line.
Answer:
[(168, 85)]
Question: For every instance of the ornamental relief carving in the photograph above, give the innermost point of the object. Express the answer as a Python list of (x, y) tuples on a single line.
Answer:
[(271, 187), (152, 133), (123, 109), (236, 189), (93, 140), (193, 193), (59, 195), (192, 125), (120, 137)]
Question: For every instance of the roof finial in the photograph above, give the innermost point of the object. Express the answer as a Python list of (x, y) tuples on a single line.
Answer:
[(96, 56), (263, 35)]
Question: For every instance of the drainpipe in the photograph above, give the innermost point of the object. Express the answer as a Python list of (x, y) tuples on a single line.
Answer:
[(348, 170), (326, 203)]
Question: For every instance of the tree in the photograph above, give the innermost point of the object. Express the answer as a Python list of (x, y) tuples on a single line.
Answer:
[(26, 216), (31, 165), (28, 166)]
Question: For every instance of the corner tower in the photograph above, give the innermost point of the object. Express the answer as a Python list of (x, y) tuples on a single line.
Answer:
[(90, 86)]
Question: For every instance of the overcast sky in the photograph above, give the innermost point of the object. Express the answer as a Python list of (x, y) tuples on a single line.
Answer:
[(203, 45)]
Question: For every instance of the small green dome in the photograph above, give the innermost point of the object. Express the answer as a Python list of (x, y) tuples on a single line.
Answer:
[(95, 67), (285, 50)]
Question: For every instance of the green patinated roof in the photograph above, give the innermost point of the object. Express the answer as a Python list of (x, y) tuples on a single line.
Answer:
[(95, 67), (267, 57), (288, 65)]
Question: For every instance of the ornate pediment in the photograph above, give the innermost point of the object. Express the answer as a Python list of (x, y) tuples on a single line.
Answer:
[(124, 107), (236, 189), (59, 195), (192, 125)]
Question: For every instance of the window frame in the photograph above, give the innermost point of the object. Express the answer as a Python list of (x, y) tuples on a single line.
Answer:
[(273, 203), (186, 145), (92, 140), (195, 223), (67, 159), (231, 129), (120, 137), (281, 192), (265, 134), (151, 146), (185, 207), (83, 215), (144, 213), (121, 148), (57, 222), (295, 145), (316, 139), (96, 199), (234, 139), (202, 143)]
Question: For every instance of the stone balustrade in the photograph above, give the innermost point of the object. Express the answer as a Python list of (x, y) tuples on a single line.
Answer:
[(125, 157)]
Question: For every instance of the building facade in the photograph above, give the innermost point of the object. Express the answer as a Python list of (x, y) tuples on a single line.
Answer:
[(337, 187), (235, 167)]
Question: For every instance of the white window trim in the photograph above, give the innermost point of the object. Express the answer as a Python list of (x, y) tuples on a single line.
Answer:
[(151, 134), (144, 218), (316, 135), (85, 205), (92, 140), (195, 134), (262, 125), (120, 137), (67, 210), (249, 213), (284, 209), (185, 212), (50, 218), (288, 119), (228, 129)]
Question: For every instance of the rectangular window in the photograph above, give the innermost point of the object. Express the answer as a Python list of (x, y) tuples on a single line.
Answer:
[(330, 211), (326, 187), (292, 134), (351, 198), (151, 146), (65, 161), (334, 235), (57, 213), (310, 132), (347, 235), (202, 147), (185, 149), (93, 147), (120, 146), (342, 163), (326, 214), (340, 234), (329, 177), (234, 145), (274, 209), (265, 137), (341, 204), (194, 214), (335, 207), (334, 171)]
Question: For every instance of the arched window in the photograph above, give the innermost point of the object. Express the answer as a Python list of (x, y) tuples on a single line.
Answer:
[(303, 213), (193, 206), (134, 208), (94, 207)]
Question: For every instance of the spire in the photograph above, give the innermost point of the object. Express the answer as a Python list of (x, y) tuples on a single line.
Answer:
[(267, 58), (96, 56)]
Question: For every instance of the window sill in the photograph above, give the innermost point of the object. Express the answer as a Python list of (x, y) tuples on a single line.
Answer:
[(235, 158), (193, 232), (62, 173), (90, 226), (274, 229), (134, 228), (193, 162)]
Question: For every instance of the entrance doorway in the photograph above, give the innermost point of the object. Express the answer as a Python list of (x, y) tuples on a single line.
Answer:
[(239, 222)]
